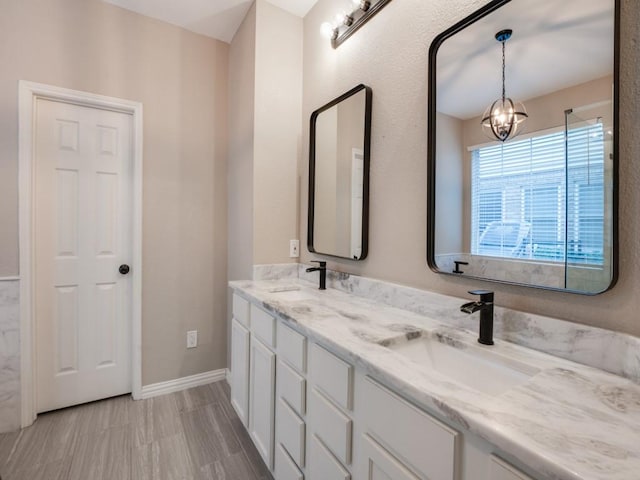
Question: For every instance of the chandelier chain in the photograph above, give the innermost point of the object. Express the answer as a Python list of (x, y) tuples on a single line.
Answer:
[(503, 75)]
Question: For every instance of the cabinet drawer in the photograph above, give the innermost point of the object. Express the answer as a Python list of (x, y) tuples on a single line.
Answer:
[(332, 426), (323, 465), (286, 468), (292, 347), (501, 470), (379, 464), (291, 387), (290, 432), (263, 325), (333, 376), (241, 309), (431, 446)]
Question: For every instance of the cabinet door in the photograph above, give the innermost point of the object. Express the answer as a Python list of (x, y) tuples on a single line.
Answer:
[(262, 375), (380, 464), (240, 370)]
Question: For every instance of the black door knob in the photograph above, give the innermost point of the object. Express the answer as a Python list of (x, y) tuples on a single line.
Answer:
[(124, 269)]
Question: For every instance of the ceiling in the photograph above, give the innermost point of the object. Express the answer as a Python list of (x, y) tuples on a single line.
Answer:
[(218, 19), (554, 45)]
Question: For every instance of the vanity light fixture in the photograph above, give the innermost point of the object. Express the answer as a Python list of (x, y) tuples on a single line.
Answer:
[(504, 118), (347, 23)]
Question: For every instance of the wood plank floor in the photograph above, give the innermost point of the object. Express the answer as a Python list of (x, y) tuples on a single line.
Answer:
[(190, 435)]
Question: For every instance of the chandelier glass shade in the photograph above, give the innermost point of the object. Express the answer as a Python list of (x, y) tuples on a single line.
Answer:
[(504, 118)]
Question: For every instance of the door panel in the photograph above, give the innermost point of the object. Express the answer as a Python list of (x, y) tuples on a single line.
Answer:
[(82, 233), (240, 370), (262, 372)]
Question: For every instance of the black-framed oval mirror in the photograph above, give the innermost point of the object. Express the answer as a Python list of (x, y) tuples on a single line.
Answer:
[(526, 195), (340, 138)]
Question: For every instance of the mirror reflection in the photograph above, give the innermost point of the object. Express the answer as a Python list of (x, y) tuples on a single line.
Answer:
[(338, 175), (522, 128)]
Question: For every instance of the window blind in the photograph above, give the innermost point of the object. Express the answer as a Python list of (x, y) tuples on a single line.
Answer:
[(540, 198)]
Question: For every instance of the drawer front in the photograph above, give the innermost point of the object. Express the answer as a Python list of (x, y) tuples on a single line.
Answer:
[(286, 469), (501, 470), (431, 446), (333, 376), (292, 347), (241, 310), (292, 387), (332, 426), (290, 432), (379, 464), (263, 325), (323, 465)]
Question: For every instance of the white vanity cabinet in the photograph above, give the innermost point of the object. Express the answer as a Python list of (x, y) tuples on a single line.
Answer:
[(314, 416)]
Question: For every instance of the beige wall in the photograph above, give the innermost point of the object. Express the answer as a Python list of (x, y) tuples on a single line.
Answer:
[(265, 100), (277, 134), (396, 42), (242, 54), (181, 79)]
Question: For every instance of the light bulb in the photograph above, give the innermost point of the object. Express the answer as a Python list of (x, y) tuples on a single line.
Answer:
[(362, 4), (326, 29), (343, 18)]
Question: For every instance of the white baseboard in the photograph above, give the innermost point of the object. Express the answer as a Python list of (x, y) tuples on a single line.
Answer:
[(227, 376), (162, 388)]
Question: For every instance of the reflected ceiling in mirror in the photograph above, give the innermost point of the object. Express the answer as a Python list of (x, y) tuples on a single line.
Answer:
[(538, 209), (338, 216)]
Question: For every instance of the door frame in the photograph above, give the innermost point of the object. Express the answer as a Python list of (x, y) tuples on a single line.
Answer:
[(28, 93)]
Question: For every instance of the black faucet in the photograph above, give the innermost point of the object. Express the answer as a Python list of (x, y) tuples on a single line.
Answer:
[(458, 263), (323, 272), (485, 305)]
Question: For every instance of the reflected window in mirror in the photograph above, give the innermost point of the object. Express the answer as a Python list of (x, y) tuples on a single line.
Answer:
[(539, 208), (338, 215)]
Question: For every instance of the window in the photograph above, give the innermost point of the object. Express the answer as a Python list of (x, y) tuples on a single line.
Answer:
[(540, 198)]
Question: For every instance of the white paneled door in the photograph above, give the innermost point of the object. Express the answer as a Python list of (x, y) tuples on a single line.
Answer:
[(82, 248)]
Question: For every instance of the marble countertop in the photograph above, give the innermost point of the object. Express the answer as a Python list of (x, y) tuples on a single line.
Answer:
[(568, 421)]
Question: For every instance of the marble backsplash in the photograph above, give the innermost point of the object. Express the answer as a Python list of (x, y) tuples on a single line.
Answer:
[(614, 352), (9, 355)]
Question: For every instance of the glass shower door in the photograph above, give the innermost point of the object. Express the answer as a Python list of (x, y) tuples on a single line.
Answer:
[(589, 142)]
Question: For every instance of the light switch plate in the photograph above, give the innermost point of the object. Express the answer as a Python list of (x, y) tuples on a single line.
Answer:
[(294, 248)]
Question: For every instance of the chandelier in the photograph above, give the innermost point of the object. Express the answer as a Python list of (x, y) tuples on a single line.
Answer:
[(504, 118)]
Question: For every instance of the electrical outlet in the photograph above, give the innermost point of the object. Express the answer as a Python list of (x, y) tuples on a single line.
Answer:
[(294, 248), (192, 339)]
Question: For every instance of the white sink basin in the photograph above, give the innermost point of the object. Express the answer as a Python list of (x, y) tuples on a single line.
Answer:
[(292, 295), (474, 366)]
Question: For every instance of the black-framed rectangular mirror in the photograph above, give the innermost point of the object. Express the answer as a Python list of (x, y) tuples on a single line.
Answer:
[(340, 138), (523, 140)]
